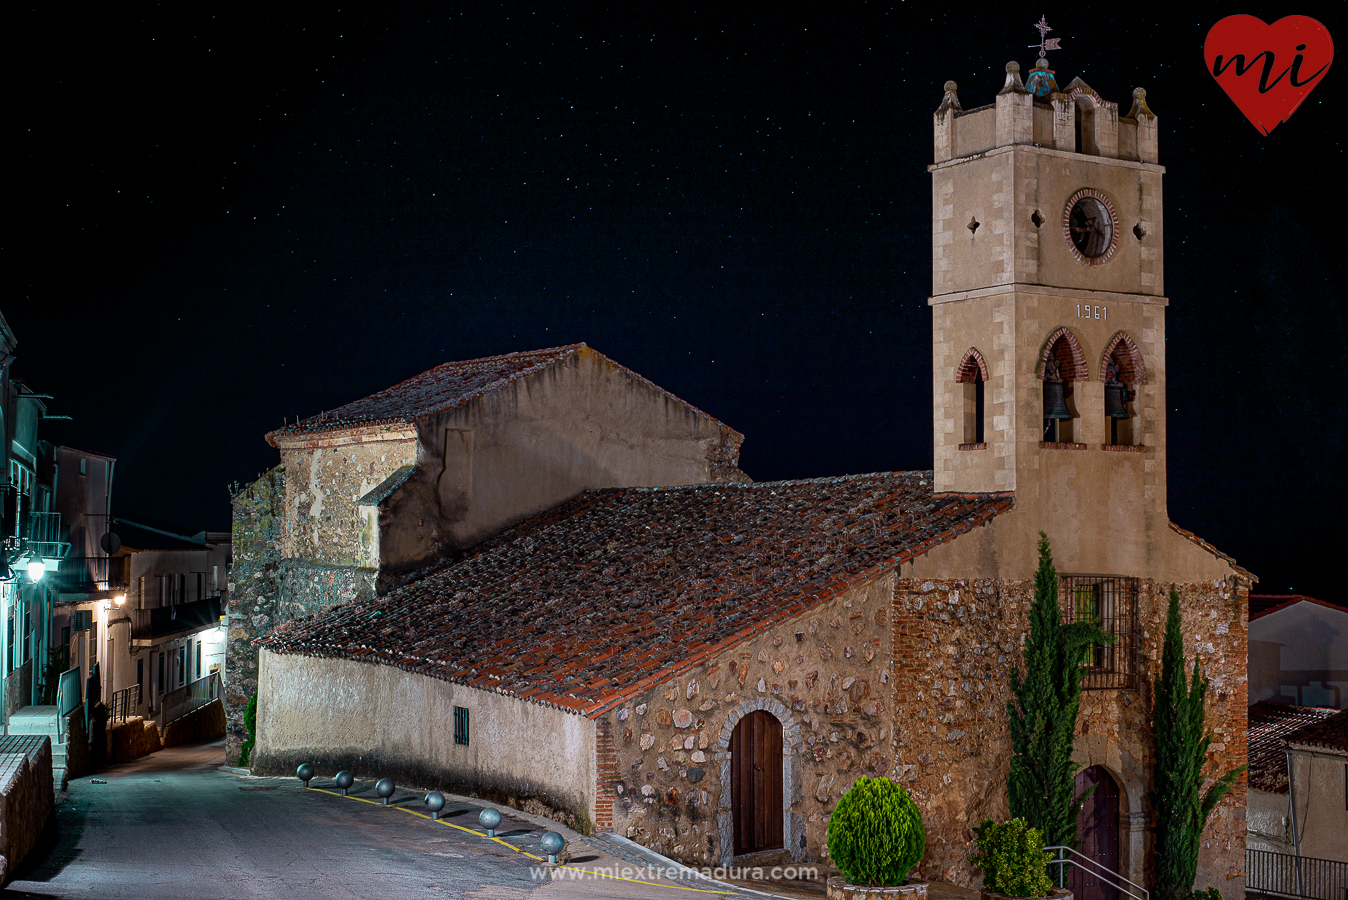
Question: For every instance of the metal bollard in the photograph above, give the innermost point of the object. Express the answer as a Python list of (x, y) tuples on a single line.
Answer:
[(552, 844), (489, 819), (305, 773), (435, 801), (344, 780), (385, 789)]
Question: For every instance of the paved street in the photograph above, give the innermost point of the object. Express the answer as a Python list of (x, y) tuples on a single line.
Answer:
[(172, 825)]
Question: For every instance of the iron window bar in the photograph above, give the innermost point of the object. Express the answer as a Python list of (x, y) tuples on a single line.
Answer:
[(461, 726), (1093, 868), (1111, 602)]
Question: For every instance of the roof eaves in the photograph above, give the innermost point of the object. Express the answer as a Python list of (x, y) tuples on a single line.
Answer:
[(1230, 560)]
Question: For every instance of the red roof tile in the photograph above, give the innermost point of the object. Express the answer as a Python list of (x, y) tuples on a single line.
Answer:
[(445, 387), (622, 587), (1331, 733), (1270, 726)]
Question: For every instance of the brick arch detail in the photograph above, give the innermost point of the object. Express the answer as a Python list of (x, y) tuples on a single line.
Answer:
[(1072, 363), (793, 823), (972, 361), (1131, 368)]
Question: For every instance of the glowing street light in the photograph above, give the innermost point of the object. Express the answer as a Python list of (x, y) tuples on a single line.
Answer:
[(36, 568)]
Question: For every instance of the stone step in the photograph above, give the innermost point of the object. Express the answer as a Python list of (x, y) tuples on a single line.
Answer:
[(32, 726)]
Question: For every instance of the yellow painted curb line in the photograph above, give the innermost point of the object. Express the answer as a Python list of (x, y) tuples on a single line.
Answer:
[(420, 815)]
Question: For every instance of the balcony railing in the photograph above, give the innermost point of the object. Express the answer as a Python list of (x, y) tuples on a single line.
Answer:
[(44, 535), (1284, 875), (83, 574), (148, 624), (124, 703)]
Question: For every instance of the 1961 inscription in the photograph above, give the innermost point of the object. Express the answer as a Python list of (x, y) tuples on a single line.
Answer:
[(1087, 311)]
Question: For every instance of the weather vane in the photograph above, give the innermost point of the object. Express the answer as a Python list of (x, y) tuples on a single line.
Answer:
[(1046, 43)]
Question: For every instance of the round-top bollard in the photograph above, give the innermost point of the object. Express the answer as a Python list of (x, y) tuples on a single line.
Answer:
[(489, 819), (385, 788), (305, 773), (344, 780), (435, 801), (552, 844)]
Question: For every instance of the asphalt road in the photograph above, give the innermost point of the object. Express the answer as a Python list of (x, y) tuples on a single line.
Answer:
[(173, 826)]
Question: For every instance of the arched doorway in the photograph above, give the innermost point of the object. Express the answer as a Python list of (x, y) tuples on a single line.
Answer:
[(756, 783), (1098, 829)]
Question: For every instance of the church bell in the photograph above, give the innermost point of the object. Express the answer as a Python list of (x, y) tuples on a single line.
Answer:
[(1055, 405), (1115, 395)]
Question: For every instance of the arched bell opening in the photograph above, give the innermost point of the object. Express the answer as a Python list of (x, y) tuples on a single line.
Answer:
[(1123, 374), (1060, 366), (972, 376)]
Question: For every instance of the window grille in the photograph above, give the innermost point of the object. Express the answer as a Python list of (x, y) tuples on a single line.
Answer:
[(461, 726), (1111, 602)]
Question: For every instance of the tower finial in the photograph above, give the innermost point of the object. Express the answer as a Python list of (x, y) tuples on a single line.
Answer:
[(1046, 43)]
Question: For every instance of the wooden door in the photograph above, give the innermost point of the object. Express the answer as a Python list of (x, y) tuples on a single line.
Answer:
[(1098, 829), (756, 783)]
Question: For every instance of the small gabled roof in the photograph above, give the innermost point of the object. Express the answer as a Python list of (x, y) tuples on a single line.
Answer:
[(1264, 604), (595, 601), (447, 387), (1271, 724)]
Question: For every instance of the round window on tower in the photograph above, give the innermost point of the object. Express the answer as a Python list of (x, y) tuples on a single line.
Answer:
[(1091, 228)]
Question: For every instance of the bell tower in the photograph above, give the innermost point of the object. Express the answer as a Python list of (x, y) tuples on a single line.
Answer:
[(1048, 313)]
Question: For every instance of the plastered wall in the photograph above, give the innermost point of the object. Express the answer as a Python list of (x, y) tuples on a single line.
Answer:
[(380, 721)]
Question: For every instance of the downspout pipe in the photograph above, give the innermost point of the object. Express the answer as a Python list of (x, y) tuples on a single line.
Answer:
[(1292, 799)]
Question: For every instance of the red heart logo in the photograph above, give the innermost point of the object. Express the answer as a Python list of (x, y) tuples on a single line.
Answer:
[(1268, 69)]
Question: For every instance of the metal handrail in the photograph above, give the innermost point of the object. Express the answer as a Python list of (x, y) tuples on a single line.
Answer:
[(1100, 871), (124, 701), (1287, 875)]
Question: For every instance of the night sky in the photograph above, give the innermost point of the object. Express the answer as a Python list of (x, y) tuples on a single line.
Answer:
[(223, 220)]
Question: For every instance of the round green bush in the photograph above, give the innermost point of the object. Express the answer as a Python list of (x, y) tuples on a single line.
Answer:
[(875, 835), (1013, 859)]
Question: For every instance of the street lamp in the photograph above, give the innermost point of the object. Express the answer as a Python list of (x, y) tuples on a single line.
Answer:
[(36, 568)]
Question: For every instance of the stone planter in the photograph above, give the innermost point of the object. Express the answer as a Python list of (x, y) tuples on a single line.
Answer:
[(839, 889), (1057, 894)]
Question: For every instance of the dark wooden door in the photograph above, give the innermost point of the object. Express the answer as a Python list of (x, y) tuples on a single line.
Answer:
[(1098, 829), (756, 782)]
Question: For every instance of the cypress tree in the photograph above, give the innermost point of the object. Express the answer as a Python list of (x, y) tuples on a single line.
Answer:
[(1181, 749), (1043, 712)]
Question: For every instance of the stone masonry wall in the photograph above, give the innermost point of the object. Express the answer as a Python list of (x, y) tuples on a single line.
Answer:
[(955, 642), (253, 593), (268, 589), (824, 674)]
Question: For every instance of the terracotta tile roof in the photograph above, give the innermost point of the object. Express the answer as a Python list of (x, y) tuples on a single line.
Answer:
[(1263, 604), (1331, 734), (1270, 725), (445, 387), (1185, 533), (618, 589)]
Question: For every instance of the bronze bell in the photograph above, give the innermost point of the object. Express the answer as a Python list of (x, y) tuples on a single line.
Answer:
[(1115, 396), (1055, 406)]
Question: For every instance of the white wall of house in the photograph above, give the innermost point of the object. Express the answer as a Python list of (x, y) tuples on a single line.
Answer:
[(1320, 795), (363, 716), (1301, 653)]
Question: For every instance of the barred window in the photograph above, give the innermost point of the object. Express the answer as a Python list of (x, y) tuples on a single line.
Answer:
[(1111, 602), (461, 725)]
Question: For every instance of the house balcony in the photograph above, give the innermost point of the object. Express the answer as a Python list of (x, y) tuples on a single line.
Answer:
[(90, 574)]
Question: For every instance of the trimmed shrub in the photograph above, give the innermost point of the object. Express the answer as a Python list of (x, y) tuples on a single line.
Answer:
[(249, 723), (875, 834), (1013, 859)]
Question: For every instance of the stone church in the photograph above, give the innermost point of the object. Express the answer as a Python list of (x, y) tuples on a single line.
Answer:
[(541, 577)]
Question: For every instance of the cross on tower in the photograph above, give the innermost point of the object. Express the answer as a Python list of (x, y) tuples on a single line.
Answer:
[(1046, 43)]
